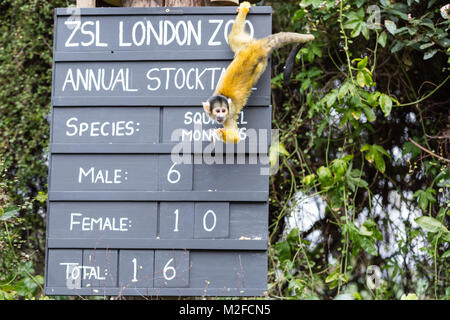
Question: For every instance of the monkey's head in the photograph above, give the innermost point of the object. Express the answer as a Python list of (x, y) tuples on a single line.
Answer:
[(218, 108)]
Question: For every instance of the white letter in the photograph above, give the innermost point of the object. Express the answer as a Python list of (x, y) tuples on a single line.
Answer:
[(71, 125), (121, 43)]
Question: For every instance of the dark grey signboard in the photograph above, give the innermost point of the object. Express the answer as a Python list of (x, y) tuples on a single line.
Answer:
[(143, 200)]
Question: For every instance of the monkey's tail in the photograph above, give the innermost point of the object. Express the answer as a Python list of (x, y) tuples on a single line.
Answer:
[(290, 61), (281, 39)]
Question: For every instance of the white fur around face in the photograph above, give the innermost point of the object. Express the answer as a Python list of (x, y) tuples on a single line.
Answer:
[(206, 107)]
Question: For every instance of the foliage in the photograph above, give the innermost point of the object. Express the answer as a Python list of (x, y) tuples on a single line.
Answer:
[(26, 33), (363, 120)]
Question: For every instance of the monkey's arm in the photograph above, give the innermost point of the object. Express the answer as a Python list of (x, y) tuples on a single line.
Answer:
[(230, 132), (238, 38)]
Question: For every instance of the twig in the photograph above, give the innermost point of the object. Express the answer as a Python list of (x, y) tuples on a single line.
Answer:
[(428, 151)]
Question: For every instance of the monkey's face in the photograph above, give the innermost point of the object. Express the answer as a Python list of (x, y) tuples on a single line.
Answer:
[(217, 108)]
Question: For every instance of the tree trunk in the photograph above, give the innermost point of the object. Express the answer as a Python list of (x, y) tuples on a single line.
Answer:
[(184, 3), (142, 3), (85, 3)]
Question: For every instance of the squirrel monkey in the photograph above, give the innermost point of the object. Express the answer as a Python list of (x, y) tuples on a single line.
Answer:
[(249, 63)]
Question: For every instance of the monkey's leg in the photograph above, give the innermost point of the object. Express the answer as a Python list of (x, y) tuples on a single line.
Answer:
[(259, 70), (238, 38)]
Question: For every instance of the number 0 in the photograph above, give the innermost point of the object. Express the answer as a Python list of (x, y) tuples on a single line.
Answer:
[(204, 221)]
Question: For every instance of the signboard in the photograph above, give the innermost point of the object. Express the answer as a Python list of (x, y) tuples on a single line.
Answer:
[(142, 199)]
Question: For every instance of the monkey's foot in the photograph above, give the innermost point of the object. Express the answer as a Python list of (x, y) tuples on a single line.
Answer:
[(244, 6), (228, 136)]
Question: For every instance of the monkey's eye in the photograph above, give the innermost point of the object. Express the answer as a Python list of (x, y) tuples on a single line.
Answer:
[(224, 110)]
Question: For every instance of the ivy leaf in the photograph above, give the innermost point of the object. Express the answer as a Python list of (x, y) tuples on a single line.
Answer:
[(426, 45), (429, 54), (390, 26), (430, 224), (382, 39), (397, 46)]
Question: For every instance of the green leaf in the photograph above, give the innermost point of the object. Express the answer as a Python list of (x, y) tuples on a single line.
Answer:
[(8, 213), (284, 250), (332, 277), (430, 224), (331, 99), (275, 149), (324, 175), (41, 197), (409, 147), (409, 296), (385, 104), (390, 26), (382, 39), (309, 179), (364, 231), (360, 79), (362, 63), (370, 114), (426, 45), (368, 245), (379, 162), (339, 167), (429, 54), (365, 30), (356, 31), (443, 179), (380, 149), (446, 254), (365, 147), (397, 46)]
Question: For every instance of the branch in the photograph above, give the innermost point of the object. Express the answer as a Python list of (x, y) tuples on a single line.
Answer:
[(428, 151)]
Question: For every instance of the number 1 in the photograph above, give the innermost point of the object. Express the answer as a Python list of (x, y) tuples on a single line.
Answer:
[(176, 221), (134, 270)]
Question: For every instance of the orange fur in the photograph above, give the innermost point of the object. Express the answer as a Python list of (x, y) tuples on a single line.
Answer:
[(243, 72), (248, 65)]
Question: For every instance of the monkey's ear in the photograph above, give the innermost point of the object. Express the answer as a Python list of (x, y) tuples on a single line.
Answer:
[(207, 107), (229, 102)]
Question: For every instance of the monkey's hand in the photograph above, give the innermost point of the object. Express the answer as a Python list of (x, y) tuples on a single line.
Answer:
[(228, 136), (244, 6)]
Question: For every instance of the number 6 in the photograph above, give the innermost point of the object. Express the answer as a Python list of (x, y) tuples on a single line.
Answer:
[(167, 268), (173, 171)]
